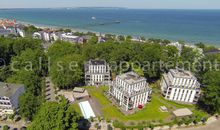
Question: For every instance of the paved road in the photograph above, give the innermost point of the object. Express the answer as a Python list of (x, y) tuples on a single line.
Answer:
[(213, 126)]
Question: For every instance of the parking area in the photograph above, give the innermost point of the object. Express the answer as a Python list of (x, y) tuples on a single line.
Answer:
[(12, 125), (50, 90)]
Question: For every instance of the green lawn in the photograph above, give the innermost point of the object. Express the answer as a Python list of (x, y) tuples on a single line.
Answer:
[(173, 105), (77, 108), (149, 113)]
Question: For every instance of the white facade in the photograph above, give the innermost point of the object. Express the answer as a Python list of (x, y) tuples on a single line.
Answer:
[(180, 86), (9, 97), (130, 90), (97, 72), (21, 32), (54, 36), (136, 39), (37, 35), (69, 37), (46, 36), (5, 106)]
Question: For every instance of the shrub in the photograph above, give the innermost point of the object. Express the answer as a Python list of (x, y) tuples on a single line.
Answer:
[(5, 127), (144, 122), (108, 120), (11, 116), (91, 119), (109, 127), (118, 124), (132, 123)]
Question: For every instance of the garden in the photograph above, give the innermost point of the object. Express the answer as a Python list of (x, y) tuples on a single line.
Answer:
[(150, 113)]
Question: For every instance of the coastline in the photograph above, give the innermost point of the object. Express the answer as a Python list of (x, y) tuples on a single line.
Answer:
[(42, 26), (97, 33), (56, 27), (158, 24)]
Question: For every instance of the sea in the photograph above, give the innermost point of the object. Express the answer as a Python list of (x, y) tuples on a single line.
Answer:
[(192, 26)]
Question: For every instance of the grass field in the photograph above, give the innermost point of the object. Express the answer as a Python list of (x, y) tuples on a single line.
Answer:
[(77, 108), (173, 105), (149, 113)]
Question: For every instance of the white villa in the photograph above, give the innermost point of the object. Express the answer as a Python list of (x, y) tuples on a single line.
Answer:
[(181, 86), (69, 37), (97, 72), (42, 35), (9, 97), (130, 91)]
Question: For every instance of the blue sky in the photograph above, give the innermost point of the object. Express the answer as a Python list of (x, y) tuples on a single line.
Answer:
[(146, 4)]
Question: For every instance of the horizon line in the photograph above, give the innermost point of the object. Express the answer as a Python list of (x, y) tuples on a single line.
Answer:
[(110, 8)]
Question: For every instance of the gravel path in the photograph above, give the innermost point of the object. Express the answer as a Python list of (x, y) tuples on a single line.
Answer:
[(213, 126)]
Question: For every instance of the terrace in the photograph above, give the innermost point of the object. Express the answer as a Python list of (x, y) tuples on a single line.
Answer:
[(131, 77), (182, 73)]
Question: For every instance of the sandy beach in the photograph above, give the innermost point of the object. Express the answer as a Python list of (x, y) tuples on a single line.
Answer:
[(56, 27)]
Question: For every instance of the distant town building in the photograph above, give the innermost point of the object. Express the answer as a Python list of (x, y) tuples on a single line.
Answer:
[(181, 86), (84, 39), (7, 24), (21, 32), (69, 37), (50, 36), (43, 35), (46, 36), (97, 72), (4, 32), (101, 39), (37, 35), (9, 97), (8, 27), (55, 36), (136, 39), (130, 91)]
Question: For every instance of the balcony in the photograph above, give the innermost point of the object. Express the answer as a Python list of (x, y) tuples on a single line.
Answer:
[(195, 100), (130, 105), (4, 98), (197, 96)]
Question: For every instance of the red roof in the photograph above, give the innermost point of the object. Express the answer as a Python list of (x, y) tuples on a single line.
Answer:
[(7, 23)]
